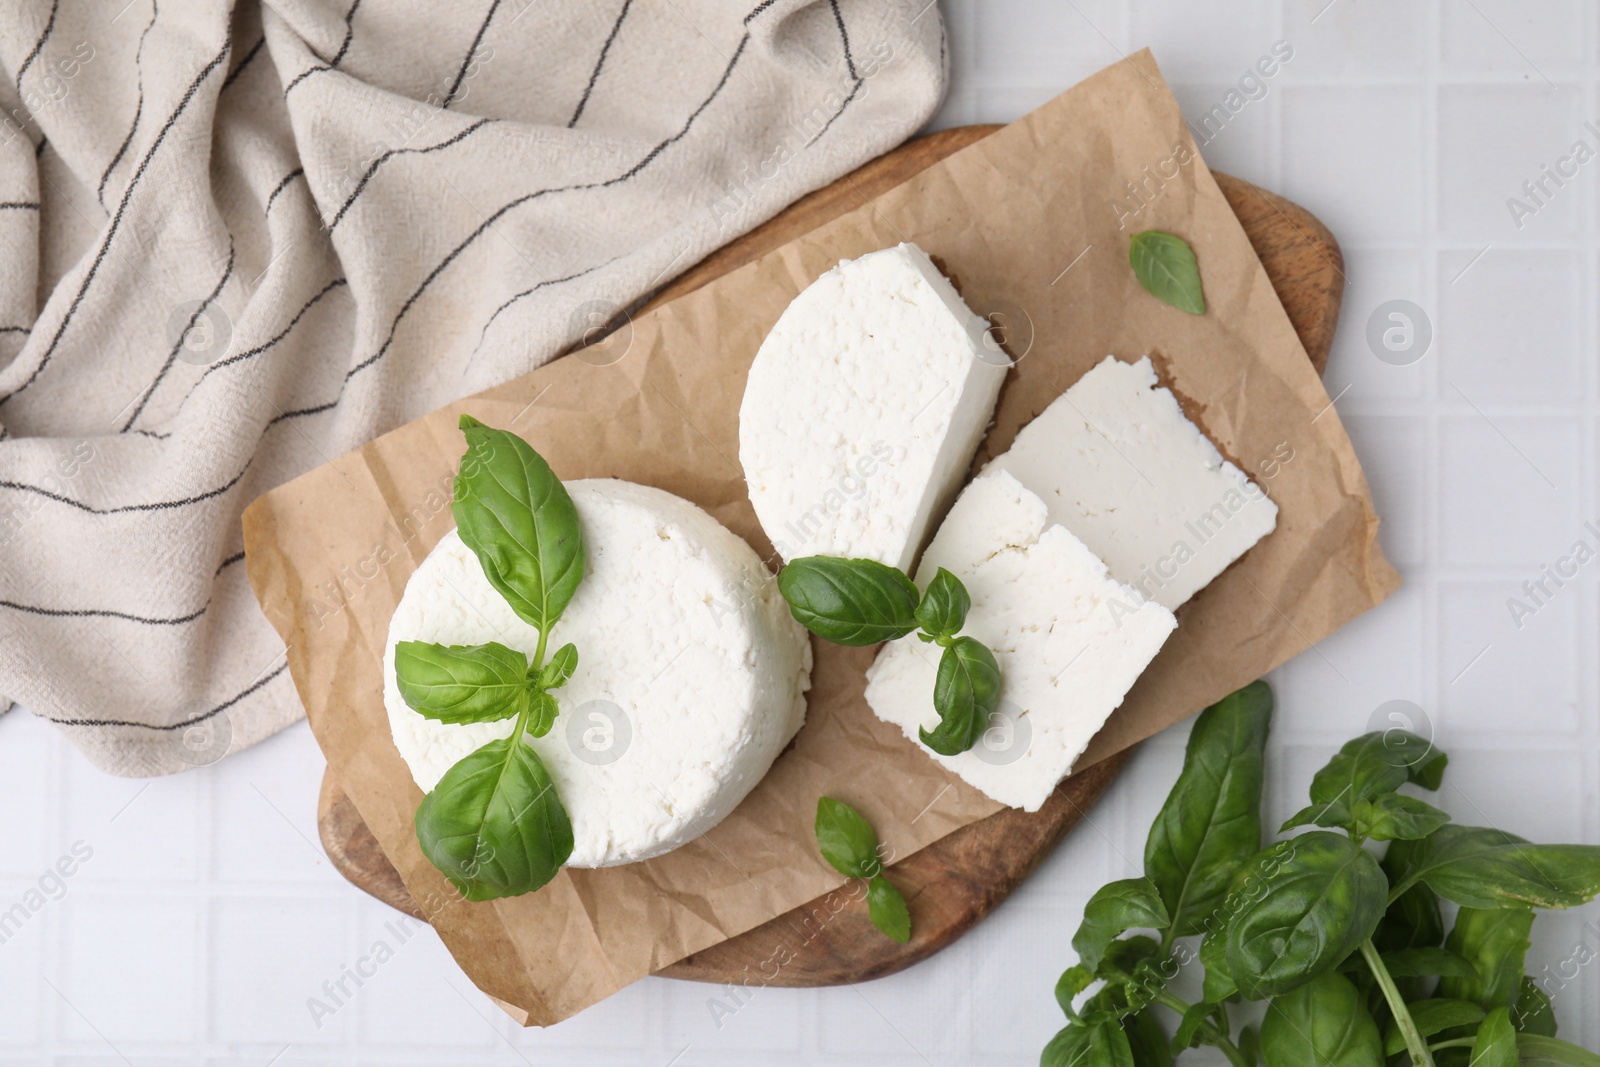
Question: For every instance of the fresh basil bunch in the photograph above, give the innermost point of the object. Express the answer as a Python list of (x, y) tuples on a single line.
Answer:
[(494, 824), (1351, 953), (862, 602)]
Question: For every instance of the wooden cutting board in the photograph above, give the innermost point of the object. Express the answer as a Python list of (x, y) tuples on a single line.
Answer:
[(958, 880)]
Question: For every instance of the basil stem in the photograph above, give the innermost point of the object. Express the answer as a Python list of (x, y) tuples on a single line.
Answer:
[(1208, 1032), (1420, 1056)]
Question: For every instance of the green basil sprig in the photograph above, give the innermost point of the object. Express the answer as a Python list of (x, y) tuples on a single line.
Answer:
[(1166, 267), (861, 602), (494, 824), (1351, 954), (850, 845)]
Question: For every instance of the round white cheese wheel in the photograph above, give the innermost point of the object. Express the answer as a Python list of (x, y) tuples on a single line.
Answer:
[(691, 672)]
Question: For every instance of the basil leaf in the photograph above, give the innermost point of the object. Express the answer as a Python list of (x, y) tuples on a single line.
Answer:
[(1122, 959), (461, 683), (1166, 267), (1219, 984), (849, 601), (1100, 1044), (494, 825), (1073, 980), (554, 675), (1478, 867), (846, 840), (542, 713), (1412, 919), (1113, 910), (1496, 1042), (1324, 1022), (1337, 814), (944, 606), (888, 909), (1495, 941), (1425, 963), (516, 516), (965, 693), (1373, 764), (1396, 816), (1186, 1036), (1533, 1012), (1250, 1045), (1210, 824), (1312, 901), (1534, 1050), (1147, 1042), (1430, 1017)]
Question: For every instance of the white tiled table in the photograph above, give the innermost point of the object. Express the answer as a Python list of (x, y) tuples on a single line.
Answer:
[(207, 915)]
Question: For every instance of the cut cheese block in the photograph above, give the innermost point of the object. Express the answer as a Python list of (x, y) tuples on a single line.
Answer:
[(1070, 641), (691, 671), (864, 407), (1119, 465)]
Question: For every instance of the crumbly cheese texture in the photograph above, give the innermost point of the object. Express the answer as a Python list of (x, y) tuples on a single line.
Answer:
[(864, 407), (681, 634), (1119, 465), (1070, 641)]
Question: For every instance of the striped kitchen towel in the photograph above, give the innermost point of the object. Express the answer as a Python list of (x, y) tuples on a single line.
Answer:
[(240, 239)]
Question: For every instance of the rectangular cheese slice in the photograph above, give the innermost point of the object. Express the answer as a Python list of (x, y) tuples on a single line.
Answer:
[(1119, 465), (1070, 641), (863, 409)]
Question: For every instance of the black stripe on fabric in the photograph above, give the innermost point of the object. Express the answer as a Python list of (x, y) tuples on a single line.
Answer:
[(84, 613), (461, 75), (349, 33), (284, 416), (38, 153), (243, 63), (105, 176), (302, 76), (15, 329), (287, 178), (381, 160), (849, 60), (50, 25), (759, 9), (482, 334), (19, 205), (631, 172), (850, 66), (177, 346), (151, 434), (160, 505), (256, 351), (138, 109), (202, 717), (600, 63), (826, 126), (116, 220), (230, 561)]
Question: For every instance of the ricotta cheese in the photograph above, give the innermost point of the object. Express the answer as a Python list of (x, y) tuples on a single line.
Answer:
[(691, 672), (1069, 639), (864, 407), (1117, 463)]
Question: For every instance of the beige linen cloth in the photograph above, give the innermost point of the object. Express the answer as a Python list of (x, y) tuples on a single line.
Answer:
[(238, 240)]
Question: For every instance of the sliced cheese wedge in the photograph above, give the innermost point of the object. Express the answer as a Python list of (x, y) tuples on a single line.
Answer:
[(1120, 465), (864, 407), (1070, 641), (691, 672)]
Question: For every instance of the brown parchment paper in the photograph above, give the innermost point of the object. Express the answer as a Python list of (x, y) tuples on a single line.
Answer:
[(330, 552)]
